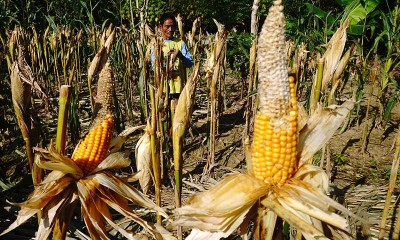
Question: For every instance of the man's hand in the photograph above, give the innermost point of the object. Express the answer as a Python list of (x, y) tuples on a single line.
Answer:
[(175, 53)]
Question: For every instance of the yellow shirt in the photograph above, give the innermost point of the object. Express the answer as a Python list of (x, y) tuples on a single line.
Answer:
[(178, 72)]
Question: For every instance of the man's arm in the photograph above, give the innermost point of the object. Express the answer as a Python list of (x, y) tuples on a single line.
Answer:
[(152, 57), (187, 59)]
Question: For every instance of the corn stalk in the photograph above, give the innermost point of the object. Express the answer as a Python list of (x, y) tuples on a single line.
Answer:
[(156, 127), (22, 82), (61, 225), (373, 76), (392, 184), (214, 78), (317, 83)]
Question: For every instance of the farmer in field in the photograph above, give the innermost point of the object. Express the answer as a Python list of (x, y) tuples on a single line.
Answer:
[(175, 58), (173, 48)]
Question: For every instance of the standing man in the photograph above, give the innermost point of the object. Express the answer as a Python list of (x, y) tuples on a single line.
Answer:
[(175, 56), (173, 48)]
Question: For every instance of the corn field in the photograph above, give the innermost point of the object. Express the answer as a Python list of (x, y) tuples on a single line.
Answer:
[(272, 137)]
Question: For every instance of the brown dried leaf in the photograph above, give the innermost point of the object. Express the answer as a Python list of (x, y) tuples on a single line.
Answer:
[(52, 160), (115, 184)]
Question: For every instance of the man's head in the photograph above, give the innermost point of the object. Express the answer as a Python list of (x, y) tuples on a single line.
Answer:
[(167, 25)]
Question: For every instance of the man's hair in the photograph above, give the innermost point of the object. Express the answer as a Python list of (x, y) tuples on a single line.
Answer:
[(166, 16)]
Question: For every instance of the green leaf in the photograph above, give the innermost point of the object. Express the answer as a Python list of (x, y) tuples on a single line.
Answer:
[(389, 107), (4, 186), (320, 13), (356, 29), (345, 2), (356, 11)]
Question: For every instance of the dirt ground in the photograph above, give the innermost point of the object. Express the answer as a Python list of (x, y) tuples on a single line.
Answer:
[(359, 179)]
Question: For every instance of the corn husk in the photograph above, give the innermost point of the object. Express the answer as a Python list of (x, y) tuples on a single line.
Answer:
[(320, 127), (97, 192), (143, 162), (117, 142), (334, 53), (221, 209), (183, 111), (99, 61), (101, 56)]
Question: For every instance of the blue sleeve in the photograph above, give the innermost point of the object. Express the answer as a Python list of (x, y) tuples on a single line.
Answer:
[(187, 60), (152, 57)]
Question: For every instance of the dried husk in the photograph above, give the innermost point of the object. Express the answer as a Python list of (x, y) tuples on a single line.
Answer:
[(222, 208), (143, 162), (101, 57), (334, 53), (320, 127), (183, 111), (21, 97)]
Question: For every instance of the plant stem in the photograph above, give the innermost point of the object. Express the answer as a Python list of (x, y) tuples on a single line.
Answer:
[(373, 75), (61, 224), (316, 94), (62, 118), (392, 184), (154, 151)]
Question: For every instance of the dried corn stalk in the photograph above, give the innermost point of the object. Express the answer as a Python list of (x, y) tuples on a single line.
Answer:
[(215, 77)]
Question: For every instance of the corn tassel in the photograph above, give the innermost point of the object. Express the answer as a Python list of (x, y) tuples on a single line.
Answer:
[(274, 151), (94, 148)]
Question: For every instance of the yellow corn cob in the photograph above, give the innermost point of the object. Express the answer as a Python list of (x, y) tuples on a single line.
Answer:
[(274, 152), (94, 148), (274, 149)]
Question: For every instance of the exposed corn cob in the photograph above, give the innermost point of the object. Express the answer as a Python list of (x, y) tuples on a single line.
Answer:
[(94, 148), (274, 150)]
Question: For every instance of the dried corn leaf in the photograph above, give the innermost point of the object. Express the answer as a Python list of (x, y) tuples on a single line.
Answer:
[(52, 160), (115, 184)]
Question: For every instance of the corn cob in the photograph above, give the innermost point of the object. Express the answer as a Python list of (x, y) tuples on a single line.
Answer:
[(274, 149), (94, 148)]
